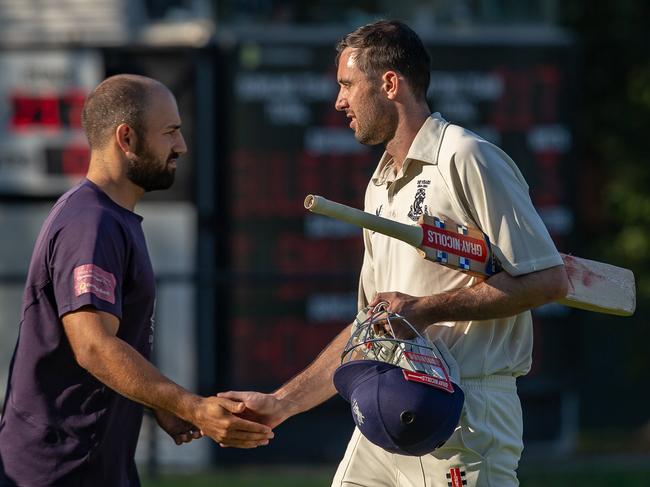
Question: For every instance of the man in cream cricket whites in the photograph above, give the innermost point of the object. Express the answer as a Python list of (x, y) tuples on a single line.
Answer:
[(434, 167)]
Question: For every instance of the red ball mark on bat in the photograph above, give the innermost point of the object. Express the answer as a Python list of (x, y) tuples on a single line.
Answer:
[(577, 271)]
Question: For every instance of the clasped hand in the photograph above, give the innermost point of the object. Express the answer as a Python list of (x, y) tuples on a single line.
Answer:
[(415, 309), (221, 419)]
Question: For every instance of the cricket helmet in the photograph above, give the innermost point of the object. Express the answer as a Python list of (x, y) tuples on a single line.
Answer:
[(401, 395)]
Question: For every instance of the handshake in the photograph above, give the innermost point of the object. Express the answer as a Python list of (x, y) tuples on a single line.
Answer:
[(414, 376), (232, 419)]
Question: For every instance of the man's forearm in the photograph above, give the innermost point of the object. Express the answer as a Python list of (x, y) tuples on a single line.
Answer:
[(128, 373), (314, 385), (499, 296), (92, 337)]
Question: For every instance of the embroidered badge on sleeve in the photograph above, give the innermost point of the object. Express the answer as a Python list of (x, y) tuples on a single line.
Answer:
[(90, 278)]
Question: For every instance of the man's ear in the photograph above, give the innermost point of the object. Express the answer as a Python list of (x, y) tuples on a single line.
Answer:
[(126, 139), (391, 84)]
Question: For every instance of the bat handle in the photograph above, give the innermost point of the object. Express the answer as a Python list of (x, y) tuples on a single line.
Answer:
[(411, 234), (310, 201)]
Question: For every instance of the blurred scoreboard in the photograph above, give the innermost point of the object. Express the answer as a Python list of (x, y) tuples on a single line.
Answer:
[(42, 147), (294, 275)]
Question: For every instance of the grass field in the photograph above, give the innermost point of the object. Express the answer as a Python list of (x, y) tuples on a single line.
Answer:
[(594, 473)]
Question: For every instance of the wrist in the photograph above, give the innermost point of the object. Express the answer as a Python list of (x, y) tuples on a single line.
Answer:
[(287, 407), (189, 408)]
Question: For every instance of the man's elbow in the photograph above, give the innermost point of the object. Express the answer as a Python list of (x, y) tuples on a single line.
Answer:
[(83, 356), (88, 356)]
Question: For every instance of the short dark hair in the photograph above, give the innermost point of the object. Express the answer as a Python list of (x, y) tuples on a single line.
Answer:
[(390, 44), (123, 98)]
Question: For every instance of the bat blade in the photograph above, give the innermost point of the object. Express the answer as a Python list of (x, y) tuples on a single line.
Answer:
[(593, 286), (600, 287)]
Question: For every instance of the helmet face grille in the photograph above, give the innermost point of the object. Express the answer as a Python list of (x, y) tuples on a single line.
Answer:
[(373, 338)]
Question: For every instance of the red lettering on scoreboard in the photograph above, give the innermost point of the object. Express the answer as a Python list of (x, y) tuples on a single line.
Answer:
[(550, 188), (530, 96), (55, 111), (275, 184), (271, 350)]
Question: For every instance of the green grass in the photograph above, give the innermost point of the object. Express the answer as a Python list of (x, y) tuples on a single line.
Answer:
[(620, 478), (598, 473), (300, 478)]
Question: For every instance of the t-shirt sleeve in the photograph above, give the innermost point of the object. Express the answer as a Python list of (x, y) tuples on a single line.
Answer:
[(493, 192), (87, 261)]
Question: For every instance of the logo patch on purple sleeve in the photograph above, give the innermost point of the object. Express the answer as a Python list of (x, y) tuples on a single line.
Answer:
[(90, 278)]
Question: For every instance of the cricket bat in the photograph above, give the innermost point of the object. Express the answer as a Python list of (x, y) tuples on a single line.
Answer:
[(593, 286)]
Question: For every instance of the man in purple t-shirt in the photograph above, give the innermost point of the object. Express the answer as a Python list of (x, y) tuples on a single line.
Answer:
[(80, 371)]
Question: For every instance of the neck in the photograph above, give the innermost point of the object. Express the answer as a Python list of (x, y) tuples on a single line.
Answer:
[(408, 127), (109, 175)]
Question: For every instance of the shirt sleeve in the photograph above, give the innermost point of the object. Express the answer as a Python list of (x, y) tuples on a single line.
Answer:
[(87, 261), (493, 193)]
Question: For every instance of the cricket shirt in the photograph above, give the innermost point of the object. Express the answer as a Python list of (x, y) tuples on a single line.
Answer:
[(61, 426), (451, 172)]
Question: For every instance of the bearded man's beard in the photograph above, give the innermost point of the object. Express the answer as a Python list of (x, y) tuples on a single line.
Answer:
[(149, 172)]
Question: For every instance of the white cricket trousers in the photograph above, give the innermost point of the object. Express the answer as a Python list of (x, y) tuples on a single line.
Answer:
[(484, 450)]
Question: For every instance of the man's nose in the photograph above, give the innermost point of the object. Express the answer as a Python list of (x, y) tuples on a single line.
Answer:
[(180, 145), (341, 103)]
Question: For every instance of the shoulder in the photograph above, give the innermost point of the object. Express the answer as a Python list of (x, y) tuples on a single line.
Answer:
[(471, 165), (83, 211), (463, 150), (461, 145)]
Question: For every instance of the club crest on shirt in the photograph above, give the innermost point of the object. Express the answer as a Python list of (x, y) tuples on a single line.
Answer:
[(418, 207)]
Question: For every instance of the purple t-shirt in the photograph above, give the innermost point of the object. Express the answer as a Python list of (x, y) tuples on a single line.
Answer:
[(61, 426)]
